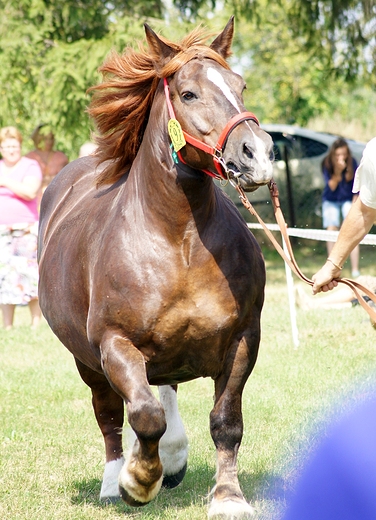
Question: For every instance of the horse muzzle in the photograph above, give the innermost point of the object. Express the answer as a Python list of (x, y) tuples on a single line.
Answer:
[(250, 174)]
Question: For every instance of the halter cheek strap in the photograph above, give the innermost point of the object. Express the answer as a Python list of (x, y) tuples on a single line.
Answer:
[(217, 150)]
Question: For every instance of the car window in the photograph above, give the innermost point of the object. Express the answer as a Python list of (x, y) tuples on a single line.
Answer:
[(298, 147)]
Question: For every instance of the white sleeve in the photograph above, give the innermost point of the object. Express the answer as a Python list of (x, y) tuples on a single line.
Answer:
[(365, 176)]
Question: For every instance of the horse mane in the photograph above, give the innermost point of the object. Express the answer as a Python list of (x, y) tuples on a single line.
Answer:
[(121, 104)]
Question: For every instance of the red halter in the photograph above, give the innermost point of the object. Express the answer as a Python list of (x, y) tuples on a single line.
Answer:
[(217, 150)]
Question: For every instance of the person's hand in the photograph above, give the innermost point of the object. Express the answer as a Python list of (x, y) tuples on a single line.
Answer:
[(339, 160), (325, 279), (341, 163)]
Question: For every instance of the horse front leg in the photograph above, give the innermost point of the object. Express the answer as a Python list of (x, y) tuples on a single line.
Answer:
[(226, 428), (173, 446), (124, 366)]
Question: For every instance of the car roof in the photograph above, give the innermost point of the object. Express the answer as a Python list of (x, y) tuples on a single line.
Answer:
[(323, 137)]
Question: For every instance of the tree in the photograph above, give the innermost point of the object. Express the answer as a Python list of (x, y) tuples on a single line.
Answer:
[(342, 33), (285, 82), (52, 61), (288, 50), (289, 80), (341, 30)]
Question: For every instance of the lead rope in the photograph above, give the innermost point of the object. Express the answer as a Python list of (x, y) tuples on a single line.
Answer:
[(290, 260)]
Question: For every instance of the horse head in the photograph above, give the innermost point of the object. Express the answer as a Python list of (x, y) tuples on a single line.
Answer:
[(205, 98)]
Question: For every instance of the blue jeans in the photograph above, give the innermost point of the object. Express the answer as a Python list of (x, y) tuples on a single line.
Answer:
[(332, 212)]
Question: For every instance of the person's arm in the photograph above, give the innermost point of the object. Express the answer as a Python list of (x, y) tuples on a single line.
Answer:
[(337, 175), (331, 181), (334, 180), (26, 189), (354, 228)]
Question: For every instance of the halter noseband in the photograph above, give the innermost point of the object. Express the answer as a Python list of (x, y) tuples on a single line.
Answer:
[(217, 150)]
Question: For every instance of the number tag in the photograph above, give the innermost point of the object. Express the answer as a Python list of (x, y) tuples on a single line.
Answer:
[(176, 134)]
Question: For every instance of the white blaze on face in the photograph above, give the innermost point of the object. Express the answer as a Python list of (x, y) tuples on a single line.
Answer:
[(261, 152), (216, 77)]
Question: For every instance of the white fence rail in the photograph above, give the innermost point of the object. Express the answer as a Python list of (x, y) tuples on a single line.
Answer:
[(311, 234)]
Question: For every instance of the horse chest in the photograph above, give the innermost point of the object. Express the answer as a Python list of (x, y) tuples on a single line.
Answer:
[(194, 307), (195, 318), (180, 301), (189, 337)]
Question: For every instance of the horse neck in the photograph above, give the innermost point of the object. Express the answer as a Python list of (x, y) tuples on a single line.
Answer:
[(175, 195)]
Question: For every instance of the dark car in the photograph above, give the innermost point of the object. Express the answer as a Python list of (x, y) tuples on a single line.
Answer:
[(301, 183)]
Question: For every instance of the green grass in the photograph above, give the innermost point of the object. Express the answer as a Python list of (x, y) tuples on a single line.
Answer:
[(52, 452)]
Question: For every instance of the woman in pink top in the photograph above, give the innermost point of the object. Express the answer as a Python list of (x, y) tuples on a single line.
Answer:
[(20, 182)]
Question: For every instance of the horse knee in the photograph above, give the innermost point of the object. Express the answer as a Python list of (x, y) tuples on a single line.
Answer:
[(147, 419), (226, 430)]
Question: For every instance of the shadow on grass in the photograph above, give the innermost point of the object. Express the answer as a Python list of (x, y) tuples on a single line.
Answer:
[(87, 492), (193, 491)]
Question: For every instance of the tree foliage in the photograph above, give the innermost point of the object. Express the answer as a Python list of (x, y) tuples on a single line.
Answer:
[(50, 51), (304, 59), (294, 54), (340, 32), (343, 30), (286, 82)]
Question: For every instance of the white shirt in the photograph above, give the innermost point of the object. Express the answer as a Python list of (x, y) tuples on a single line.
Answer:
[(365, 176)]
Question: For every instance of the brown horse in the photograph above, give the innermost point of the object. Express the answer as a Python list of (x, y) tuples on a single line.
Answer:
[(148, 274)]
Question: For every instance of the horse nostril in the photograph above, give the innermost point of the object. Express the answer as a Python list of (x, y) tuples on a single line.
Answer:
[(247, 151)]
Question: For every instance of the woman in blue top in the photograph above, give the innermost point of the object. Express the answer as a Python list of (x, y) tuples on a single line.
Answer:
[(338, 168)]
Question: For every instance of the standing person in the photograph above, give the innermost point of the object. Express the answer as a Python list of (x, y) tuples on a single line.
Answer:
[(340, 480), (359, 221), (50, 161), (20, 181), (338, 169)]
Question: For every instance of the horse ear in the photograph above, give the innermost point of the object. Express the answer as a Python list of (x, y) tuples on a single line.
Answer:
[(222, 43), (158, 48)]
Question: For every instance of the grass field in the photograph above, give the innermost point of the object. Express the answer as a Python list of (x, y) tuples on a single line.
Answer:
[(52, 452)]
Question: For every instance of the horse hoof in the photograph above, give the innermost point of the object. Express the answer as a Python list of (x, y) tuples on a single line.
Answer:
[(230, 510), (171, 481), (107, 501), (128, 499)]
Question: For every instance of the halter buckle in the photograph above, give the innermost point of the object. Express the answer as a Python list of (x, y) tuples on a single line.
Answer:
[(217, 153)]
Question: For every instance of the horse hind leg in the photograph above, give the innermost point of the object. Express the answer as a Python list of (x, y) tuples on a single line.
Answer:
[(109, 412), (173, 447)]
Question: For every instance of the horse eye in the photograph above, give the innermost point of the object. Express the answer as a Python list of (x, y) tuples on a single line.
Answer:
[(188, 96)]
